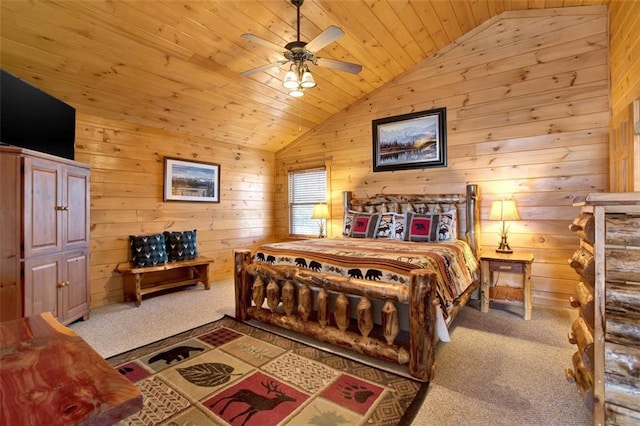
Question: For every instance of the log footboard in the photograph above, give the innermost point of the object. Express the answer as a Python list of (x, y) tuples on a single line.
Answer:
[(300, 300)]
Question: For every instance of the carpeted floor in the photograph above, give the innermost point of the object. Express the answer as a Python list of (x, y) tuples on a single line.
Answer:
[(501, 370), (497, 370), (234, 372), (120, 327)]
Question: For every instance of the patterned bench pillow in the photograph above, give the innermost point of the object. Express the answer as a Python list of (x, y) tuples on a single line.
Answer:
[(181, 245), (148, 250)]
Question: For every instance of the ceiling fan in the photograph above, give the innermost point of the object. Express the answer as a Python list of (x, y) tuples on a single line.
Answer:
[(299, 53)]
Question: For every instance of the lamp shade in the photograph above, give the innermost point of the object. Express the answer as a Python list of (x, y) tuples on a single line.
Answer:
[(504, 210), (320, 211)]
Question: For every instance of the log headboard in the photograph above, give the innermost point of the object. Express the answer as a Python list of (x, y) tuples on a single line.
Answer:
[(467, 208)]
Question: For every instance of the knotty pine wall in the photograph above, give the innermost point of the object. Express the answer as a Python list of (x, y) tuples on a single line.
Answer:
[(527, 98), (624, 18), (126, 197)]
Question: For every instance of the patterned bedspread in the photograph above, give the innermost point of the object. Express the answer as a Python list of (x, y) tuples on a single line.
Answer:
[(383, 260)]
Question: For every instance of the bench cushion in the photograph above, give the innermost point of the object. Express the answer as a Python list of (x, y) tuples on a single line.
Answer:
[(148, 250), (181, 245)]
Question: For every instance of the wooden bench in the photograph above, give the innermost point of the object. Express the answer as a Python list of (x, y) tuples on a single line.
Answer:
[(195, 271)]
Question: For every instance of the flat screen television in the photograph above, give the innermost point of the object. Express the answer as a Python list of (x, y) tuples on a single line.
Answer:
[(33, 119)]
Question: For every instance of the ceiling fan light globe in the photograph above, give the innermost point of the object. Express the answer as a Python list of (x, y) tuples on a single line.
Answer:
[(296, 93), (307, 80), (290, 80), (291, 85)]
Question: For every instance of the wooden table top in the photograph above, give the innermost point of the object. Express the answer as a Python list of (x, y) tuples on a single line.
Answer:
[(49, 375)]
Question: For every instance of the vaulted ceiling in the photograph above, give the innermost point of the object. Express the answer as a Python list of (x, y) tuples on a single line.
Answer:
[(176, 64)]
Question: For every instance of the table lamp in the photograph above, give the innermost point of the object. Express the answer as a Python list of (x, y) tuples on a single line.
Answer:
[(320, 212), (504, 210)]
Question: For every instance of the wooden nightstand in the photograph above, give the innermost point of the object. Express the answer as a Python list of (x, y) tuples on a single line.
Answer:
[(513, 263)]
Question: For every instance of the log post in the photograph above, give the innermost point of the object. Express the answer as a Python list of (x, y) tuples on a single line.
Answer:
[(422, 314), (341, 312), (304, 302), (584, 264), (258, 291), (582, 337), (584, 301), (390, 327), (323, 307), (365, 317), (581, 376), (273, 295), (288, 297), (242, 258), (584, 225)]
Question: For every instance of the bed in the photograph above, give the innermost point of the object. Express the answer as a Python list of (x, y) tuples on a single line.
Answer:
[(388, 289)]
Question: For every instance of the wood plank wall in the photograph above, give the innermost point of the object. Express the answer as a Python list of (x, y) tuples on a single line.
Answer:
[(126, 197), (624, 18), (527, 98)]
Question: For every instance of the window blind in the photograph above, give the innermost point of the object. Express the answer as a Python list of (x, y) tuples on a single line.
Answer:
[(306, 188)]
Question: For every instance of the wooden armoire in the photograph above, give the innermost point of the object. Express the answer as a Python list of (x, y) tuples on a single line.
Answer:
[(44, 228)]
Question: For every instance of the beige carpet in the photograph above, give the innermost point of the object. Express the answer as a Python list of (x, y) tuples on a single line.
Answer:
[(497, 370), (118, 328), (501, 370)]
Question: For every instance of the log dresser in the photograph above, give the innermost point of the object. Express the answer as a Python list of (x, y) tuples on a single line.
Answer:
[(606, 366)]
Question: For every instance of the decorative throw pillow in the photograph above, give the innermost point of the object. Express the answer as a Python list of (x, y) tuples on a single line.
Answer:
[(181, 245), (390, 225), (148, 250), (448, 226), (399, 221), (364, 225), (385, 226), (430, 226), (348, 223)]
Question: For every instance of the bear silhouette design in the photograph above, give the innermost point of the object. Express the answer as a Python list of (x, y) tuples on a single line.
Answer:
[(373, 274), (174, 354), (355, 273), (315, 266)]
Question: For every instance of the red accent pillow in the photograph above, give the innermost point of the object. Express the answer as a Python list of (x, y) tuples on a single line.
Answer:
[(364, 225), (426, 227)]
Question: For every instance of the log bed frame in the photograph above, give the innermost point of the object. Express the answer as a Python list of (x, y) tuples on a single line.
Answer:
[(290, 293)]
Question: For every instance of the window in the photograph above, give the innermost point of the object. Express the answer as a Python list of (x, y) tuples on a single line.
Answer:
[(306, 188)]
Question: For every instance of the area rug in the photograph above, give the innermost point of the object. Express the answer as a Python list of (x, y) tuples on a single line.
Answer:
[(230, 373)]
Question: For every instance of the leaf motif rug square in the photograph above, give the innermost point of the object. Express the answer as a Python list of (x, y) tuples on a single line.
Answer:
[(230, 373)]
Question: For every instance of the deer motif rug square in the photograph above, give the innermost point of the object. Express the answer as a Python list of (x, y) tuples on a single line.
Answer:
[(230, 373)]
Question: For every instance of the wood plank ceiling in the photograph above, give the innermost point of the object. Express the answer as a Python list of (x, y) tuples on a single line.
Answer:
[(176, 65)]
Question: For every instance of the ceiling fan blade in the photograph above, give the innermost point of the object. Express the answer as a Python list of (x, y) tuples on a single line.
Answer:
[(266, 43), (331, 34), (262, 68), (338, 65)]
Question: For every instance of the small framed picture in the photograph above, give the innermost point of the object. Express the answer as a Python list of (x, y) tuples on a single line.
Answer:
[(191, 180), (410, 141)]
